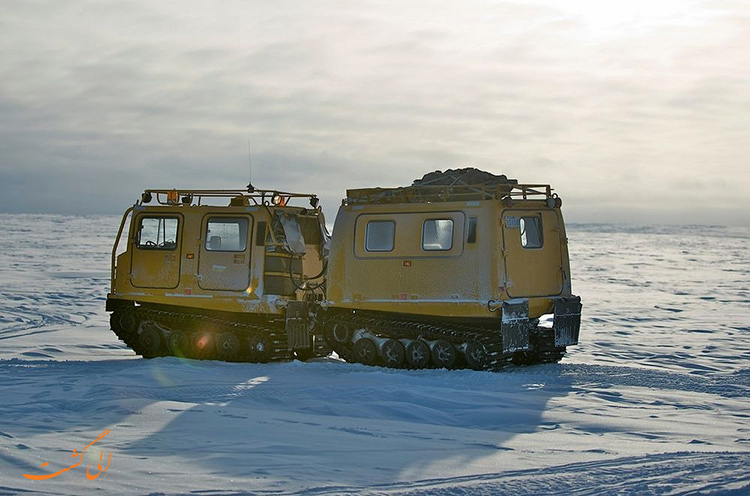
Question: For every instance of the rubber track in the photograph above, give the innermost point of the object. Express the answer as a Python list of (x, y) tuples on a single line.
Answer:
[(545, 351), (542, 339), (400, 329), (188, 323)]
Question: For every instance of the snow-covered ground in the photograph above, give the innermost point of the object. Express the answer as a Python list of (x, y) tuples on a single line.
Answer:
[(654, 400)]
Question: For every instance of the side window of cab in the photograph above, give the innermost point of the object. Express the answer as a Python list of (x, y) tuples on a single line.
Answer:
[(226, 234), (157, 233)]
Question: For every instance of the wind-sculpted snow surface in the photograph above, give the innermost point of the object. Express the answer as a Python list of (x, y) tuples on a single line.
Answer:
[(653, 401)]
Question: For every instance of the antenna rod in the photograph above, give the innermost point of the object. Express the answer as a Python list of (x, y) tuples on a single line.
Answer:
[(250, 187)]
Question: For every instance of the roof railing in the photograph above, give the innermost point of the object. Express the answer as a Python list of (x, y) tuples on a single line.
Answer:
[(195, 196), (446, 193)]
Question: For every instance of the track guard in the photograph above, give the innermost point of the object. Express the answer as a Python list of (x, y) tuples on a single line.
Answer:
[(515, 326), (567, 322), (116, 304), (297, 328)]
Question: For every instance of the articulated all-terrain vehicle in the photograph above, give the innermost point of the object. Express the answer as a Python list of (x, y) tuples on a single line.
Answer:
[(231, 281), (455, 270), (459, 269)]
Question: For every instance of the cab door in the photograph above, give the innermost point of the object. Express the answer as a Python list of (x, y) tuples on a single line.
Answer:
[(156, 251), (532, 253), (224, 258)]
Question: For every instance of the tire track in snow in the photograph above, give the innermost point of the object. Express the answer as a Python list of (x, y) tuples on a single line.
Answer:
[(26, 319), (692, 472), (729, 385)]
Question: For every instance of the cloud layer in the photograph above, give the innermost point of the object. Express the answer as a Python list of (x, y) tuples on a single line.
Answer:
[(638, 114)]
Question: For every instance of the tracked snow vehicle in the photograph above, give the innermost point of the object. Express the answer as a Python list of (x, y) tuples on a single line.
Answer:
[(458, 269), (232, 281), (462, 268)]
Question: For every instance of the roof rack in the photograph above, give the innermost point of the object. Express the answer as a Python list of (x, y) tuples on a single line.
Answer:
[(446, 193), (195, 196)]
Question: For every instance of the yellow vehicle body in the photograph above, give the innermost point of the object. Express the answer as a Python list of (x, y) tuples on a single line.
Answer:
[(466, 268), (430, 275), (193, 276), (462, 281), (238, 263)]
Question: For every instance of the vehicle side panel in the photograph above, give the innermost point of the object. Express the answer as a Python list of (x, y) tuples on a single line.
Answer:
[(190, 279), (408, 279)]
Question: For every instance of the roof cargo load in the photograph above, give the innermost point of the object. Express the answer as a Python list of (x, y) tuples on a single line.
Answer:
[(465, 176), (467, 184)]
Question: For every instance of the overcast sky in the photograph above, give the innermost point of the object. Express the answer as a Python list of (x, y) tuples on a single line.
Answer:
[(635, 111)]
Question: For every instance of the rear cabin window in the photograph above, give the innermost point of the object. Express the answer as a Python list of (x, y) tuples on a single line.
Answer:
[(531, 232), (157, 233), (379, 235), (437, 235), (226, 234)]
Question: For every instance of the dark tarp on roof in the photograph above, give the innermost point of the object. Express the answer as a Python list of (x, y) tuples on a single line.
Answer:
[(465, 176)]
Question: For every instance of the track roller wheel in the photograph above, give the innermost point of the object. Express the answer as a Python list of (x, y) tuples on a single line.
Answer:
[(150, 342), (177, 343), (259, 349), (365, 351), (476, 356), (203, 345), (393, 353), (341, 334), (127, 322), (228, 345), (443, 354), (417, 354)]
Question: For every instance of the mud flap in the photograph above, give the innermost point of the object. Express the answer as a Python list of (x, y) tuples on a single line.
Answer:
[(515, 326), (567, 323), (297, 328)]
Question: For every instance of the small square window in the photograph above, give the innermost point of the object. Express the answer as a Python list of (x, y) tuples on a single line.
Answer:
[(379, 235), (157, 233), (437, 235), (531, 232), (226, 234)]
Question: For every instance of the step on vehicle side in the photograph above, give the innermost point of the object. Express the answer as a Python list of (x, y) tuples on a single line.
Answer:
[(456, 270), (234, 281)]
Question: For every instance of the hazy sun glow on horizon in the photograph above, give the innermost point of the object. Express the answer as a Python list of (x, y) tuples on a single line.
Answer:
[(602, 16), (634, 111)]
